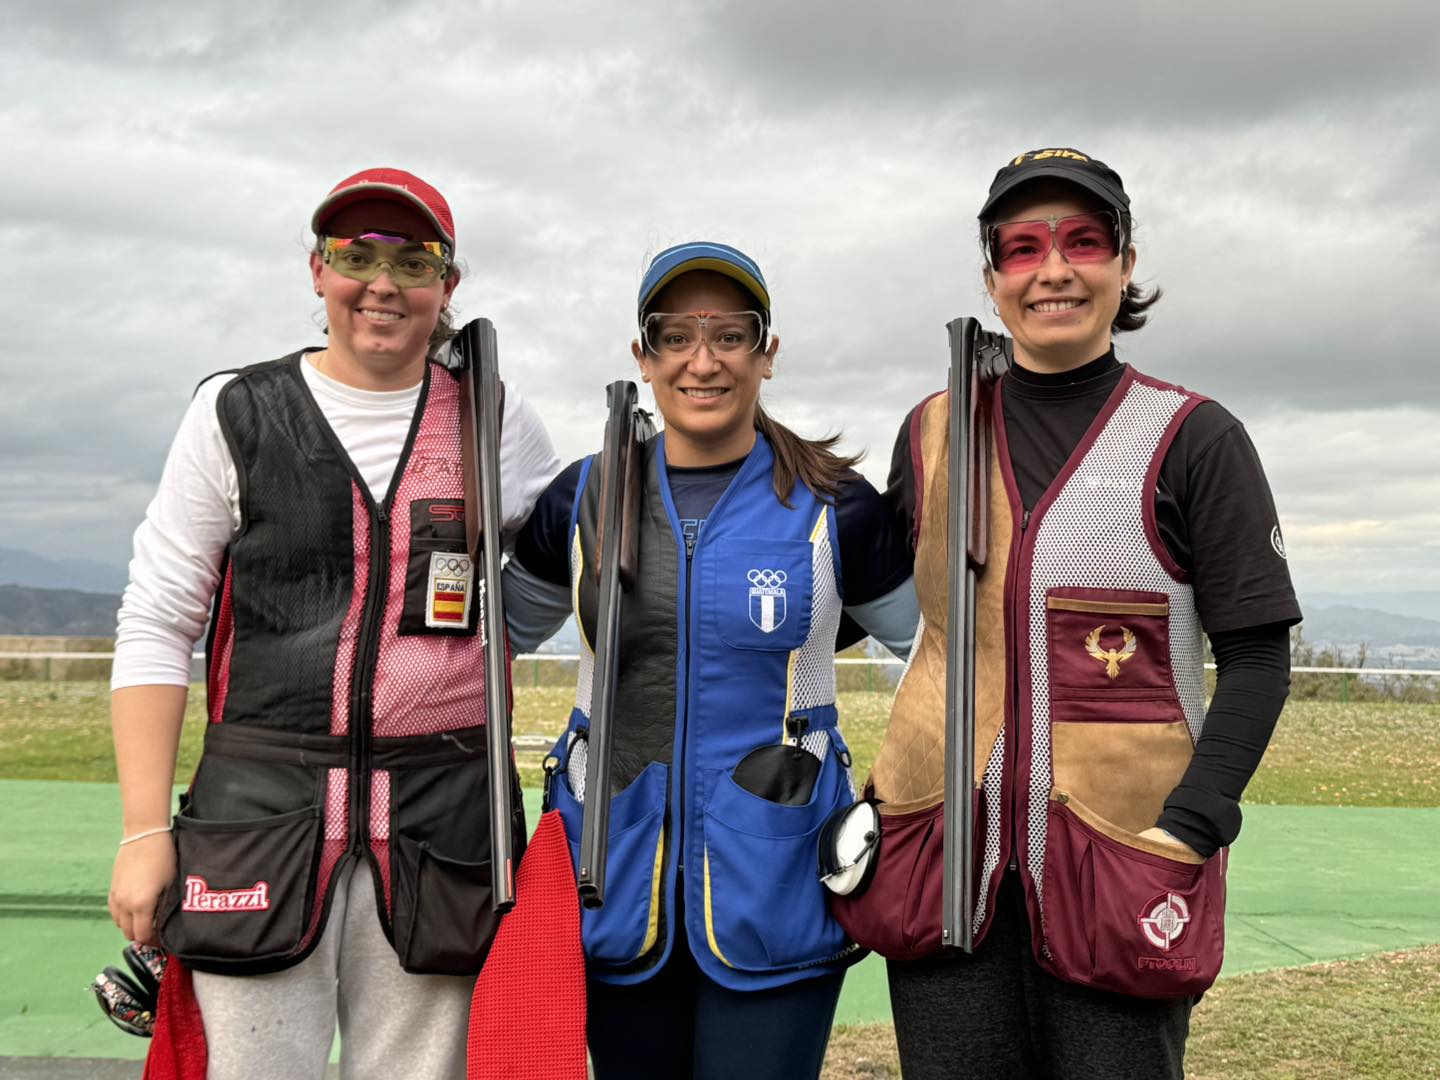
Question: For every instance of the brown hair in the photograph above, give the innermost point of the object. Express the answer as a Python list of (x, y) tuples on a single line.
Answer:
[(1134, 305), (811, 461)]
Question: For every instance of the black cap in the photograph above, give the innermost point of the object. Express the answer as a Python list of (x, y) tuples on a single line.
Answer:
[(1061, 164)]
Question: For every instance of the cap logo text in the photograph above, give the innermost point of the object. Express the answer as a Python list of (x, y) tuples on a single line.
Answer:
[(1041, 155)]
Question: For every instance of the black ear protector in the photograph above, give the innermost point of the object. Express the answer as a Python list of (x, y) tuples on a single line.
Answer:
[(130, 1000)]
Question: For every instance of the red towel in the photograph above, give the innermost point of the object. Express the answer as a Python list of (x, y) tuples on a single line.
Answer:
[(527, 1016), (177, 1050)]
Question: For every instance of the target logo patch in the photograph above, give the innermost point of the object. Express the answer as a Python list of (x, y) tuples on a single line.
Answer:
[(1164, 920)]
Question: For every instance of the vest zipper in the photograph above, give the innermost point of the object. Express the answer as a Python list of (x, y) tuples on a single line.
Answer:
[(1014, 750), (367, 652), (685, 736)]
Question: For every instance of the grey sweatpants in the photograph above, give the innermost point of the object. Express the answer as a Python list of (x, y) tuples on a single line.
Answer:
[(281, 1026)]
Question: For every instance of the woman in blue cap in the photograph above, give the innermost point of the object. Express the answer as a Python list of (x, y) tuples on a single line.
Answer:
[(715, 953)]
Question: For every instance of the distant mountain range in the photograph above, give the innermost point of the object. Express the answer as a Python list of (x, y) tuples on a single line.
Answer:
[(58, 612), (79, 597), (1346, 625), (41, 572), (1420, 604)]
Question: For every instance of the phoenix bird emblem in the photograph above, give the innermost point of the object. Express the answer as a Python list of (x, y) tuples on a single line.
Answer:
[(1111, 658)]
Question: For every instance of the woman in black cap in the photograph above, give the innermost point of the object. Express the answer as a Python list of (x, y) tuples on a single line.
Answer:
[(714, 955), (1126, 515)]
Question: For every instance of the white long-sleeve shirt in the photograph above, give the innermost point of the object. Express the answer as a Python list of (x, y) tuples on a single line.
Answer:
[(196, 510)]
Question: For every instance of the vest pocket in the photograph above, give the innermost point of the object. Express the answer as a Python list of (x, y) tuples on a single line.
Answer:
[(1121, 914), (441, 884), (899, 915), (242, 891), (764, 908), (628, 926), (760, 592), (443, 922), (1109, 655)]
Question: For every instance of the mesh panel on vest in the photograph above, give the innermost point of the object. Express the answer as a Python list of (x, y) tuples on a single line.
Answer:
[(994, 785), (349, 640), (222, 644), (813, 664), (426, 683), (1093, 535), (577, 760)]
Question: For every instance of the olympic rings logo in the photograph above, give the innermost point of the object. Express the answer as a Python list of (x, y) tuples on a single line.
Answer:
[(767, 579), (442, 564)]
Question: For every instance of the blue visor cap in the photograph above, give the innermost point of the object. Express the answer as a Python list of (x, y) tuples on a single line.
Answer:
[(681, 259)]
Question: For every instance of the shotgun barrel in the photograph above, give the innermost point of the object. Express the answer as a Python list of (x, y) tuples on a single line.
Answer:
[(627, 428), (480, 451)]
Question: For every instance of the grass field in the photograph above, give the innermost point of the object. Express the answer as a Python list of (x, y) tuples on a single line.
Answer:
[(1378, 1016), (1325, 753)]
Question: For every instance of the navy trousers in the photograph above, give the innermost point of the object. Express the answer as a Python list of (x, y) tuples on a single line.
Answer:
[(681, 1023)]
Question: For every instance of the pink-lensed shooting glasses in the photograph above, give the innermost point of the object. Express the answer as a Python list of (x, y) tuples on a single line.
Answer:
[(1017, 246)]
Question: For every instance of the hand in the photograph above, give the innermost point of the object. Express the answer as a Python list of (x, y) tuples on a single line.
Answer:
[(142, 872), (1160, 836)]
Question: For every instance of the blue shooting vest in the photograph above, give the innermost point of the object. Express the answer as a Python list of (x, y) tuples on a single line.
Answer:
[(725, 650)]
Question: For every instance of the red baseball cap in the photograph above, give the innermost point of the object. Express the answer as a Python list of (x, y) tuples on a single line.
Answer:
[(396, 184)]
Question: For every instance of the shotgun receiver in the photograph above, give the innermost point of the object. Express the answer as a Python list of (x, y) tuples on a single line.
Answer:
[(627, 429)]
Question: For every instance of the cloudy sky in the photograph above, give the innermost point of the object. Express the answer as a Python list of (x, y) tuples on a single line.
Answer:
[(162, 159)]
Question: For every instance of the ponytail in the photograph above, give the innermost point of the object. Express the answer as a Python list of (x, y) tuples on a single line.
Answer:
[(811, 461)]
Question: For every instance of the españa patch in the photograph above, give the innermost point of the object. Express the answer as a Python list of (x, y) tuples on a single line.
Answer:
[(449, 590)]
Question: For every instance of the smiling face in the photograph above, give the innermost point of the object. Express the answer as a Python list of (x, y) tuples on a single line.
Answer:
[(707, 399), (378, 332), (1059, 313)]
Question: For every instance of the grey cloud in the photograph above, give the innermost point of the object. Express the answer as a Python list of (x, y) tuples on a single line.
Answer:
[(1205, 64), (164, 159)]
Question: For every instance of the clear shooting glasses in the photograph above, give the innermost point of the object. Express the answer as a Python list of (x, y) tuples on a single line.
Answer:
[(678, 335)]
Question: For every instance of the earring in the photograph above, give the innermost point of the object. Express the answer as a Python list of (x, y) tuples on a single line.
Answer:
[(319, 292), (996, 310)]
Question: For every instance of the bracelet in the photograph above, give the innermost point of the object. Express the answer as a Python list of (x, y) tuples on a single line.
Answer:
[(142, 835)]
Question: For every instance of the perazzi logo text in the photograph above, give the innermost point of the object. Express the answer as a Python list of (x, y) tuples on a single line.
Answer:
[(200, 897)]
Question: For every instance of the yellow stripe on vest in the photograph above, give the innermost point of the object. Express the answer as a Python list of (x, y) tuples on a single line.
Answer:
[(652, 931), (578, 550), (709, 917)]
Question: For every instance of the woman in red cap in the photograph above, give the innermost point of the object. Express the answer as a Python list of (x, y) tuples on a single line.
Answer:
[(329, 861), (714, 955), (1126, 515)]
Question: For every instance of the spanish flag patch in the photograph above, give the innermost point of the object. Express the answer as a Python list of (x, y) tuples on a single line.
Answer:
[(449, 590)]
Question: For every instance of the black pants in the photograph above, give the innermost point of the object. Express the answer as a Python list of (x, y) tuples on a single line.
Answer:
[(997, 1015), (681, 1023)]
